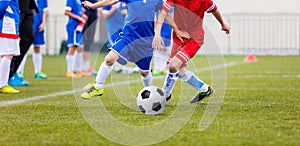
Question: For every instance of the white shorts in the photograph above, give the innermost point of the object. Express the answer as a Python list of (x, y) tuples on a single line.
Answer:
[(9, 47)]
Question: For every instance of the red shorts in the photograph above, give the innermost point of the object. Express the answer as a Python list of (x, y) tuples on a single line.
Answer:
[(184, 50)]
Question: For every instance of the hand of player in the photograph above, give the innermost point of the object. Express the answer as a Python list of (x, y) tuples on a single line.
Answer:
[(226, 28), (41, 27), (87, 4), (82, 20), (182, 34), (157, 42)]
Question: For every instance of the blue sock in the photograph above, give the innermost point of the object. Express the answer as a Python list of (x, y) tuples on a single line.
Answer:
[(170, 83), (190, 78)]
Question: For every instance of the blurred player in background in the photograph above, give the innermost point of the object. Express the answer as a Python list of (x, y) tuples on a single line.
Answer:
[(28, 9), (188, 38), (74, 28), (89, 35), (9, 34), (39, 40), (134, 44), (39, 26)]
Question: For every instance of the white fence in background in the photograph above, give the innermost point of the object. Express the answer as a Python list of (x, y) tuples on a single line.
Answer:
[(262, 34)]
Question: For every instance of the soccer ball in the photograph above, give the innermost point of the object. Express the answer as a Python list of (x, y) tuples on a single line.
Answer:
[(151, 100)]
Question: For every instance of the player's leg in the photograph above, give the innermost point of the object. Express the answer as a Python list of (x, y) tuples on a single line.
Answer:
[(18, 78), (37, 60), (172, 76), (145, 70), (4, 74), (21, 68), (70, 61), (103, 73), (78, 59), (9, 47), (187, 52), (37, 57)]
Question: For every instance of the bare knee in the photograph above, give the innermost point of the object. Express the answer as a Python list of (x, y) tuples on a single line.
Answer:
[(144, 73), (109, 60), (172, 68)]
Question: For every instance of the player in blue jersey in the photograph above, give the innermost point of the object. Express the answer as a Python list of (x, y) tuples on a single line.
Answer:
[(39, 40), (9, 34), (74, 28), (134, 45)]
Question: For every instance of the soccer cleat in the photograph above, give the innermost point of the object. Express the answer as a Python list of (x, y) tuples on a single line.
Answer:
[(169, 97), (157, 72), (88, 86), (202, 95), (8, 90), (16, 80), (40, 75), (21, 74), (91, 92), (73, 75)]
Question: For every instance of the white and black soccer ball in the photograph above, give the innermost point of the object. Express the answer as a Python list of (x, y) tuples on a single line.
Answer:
[(151, 100)]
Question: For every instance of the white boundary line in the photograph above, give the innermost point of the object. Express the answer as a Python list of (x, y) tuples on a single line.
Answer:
[(20, 101)]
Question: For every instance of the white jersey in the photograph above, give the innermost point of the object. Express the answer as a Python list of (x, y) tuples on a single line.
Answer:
[(9, 27)]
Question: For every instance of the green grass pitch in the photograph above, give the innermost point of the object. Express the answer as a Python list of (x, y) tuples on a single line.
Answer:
[(261, 105)]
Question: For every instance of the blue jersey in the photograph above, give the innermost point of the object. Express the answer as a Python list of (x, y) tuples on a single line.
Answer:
[(139, 22), (38, 18), (115, 22), (135, 43), (74, 6), (9, 19)]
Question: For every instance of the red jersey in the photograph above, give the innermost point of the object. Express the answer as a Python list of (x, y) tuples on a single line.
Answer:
[(188, 15)]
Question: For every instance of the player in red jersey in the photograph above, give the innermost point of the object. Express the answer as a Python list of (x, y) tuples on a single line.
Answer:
[(188, 37)]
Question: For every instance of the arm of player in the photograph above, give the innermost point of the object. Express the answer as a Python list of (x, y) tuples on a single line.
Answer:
[(107, 14), (98, 4), (42, 25), (157, 40), (217, 14), (70, 14), (179, 33)]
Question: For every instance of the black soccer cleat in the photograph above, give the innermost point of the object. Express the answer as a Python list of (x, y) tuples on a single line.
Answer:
[(201, 95), (169, 97)]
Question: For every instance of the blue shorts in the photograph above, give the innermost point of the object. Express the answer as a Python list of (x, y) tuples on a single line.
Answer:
[(39, 39), (134, 50), (74, 38)]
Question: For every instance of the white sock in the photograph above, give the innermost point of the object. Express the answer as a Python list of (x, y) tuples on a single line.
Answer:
[(70, 61), (37, 62), (102, 74), (22, 65), (78, 61), (160, 60), (4, 71), (190, 78), (86, 65), (170, 83), (147, 80)]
